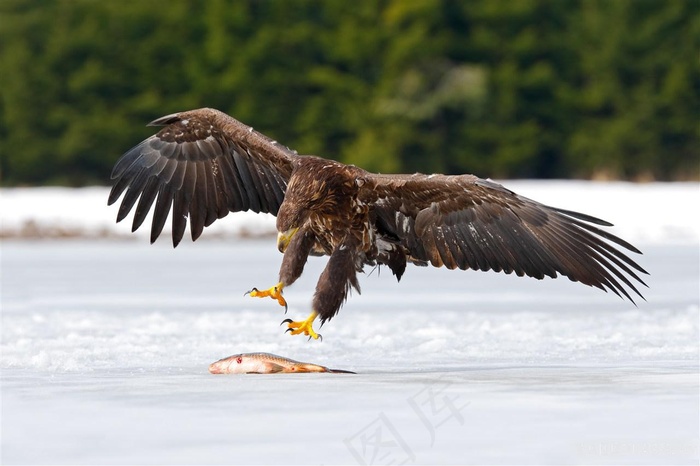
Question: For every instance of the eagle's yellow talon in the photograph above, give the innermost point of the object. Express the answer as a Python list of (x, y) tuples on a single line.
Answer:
[(304, 326), (274, 292)]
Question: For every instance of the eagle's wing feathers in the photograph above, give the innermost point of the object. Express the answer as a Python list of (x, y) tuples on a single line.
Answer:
[(202, 165), (466, 222)]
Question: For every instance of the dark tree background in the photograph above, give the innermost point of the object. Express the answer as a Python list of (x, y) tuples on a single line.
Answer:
[(500, 88)]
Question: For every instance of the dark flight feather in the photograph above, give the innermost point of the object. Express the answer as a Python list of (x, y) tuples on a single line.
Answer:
[(203, 164), (492, 228)]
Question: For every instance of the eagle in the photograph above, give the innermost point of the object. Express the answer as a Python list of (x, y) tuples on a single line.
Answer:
[(204, 164)]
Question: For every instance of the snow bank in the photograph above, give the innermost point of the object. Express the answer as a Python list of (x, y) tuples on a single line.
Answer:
[(83, 212), (642, 213)]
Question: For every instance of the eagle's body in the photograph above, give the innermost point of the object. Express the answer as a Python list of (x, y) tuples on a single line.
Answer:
[(204, 164)]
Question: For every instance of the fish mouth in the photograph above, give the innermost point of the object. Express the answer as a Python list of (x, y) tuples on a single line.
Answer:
[(215, 369), (284, 238), (222, 366)]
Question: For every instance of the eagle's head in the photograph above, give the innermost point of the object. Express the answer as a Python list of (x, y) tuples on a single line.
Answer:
[(300, 200), (289, 219), (320, 192)]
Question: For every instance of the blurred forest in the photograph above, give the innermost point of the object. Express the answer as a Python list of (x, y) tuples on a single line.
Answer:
[(500, 88)]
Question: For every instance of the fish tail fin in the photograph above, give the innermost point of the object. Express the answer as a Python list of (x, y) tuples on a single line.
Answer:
[(341, 371)]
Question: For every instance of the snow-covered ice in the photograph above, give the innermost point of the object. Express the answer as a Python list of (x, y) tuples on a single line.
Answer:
[(105, 347)]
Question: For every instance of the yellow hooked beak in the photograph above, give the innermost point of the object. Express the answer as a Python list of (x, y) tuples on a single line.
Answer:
[(283, 238)]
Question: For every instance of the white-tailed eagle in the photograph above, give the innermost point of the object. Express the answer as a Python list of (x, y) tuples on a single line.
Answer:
[(204, 164)]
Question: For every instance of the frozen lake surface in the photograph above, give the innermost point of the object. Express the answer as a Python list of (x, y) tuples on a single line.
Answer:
[(105, 348)]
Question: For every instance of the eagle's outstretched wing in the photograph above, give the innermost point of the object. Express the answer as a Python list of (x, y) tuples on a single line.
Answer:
[(203, 164), (470, 223)]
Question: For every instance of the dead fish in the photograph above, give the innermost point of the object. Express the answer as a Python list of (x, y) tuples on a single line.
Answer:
[(265, 363)]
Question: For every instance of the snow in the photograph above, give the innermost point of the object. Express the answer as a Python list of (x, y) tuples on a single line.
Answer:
[(643, 213), (68, 212), (105, 346)]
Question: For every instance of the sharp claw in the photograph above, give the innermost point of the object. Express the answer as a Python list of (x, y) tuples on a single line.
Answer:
[(320, 337), (250, 291), (305, 327)]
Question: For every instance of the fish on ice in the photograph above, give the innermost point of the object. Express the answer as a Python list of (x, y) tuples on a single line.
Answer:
[(265, 363)]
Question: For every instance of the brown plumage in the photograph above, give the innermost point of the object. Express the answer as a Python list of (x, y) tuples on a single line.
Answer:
[(204, 164)]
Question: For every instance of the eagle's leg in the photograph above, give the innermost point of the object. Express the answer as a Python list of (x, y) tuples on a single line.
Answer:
[(331, 291), (296, 246)]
